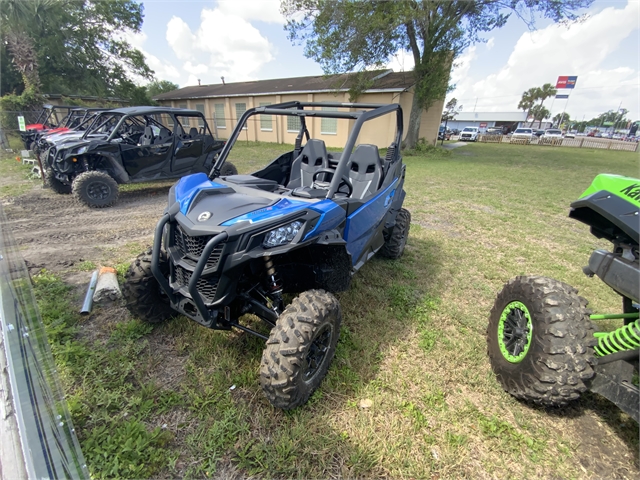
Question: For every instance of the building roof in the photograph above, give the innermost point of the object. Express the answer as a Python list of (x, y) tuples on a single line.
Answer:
[(491, 117), (145, 110), (383, 81)]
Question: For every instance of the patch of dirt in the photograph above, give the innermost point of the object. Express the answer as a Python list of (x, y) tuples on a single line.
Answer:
[(55, 232)]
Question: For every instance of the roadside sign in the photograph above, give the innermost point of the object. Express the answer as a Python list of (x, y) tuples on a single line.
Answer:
[(483, 125), (562, 96), (21, 124), (566, 81)]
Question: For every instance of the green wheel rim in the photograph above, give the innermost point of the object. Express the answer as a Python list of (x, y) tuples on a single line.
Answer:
[(515, 332)]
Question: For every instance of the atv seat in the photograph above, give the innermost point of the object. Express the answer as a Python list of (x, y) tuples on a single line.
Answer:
[(366, 171), (312, 158), (193, 132)]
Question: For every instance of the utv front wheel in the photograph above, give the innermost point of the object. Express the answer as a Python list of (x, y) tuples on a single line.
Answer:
[(142, 292), (55, 184), (95, 189), (395, 241), (539, 341), (300, 349), (228, 169)]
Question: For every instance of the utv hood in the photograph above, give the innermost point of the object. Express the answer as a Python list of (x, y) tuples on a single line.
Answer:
[(225, 205)]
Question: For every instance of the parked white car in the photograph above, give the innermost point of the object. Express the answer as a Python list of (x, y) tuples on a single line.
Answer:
[(552, 133), (523, 133), (469, 134)]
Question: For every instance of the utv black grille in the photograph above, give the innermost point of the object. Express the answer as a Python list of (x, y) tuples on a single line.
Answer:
[(206, 286), (190, 246)]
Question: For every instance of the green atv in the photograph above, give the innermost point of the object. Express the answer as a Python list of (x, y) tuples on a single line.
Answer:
[(542, 342)]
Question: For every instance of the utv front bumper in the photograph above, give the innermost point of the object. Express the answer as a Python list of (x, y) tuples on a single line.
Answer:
[(186, 287)]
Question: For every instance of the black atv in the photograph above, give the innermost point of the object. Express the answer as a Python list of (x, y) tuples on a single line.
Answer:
[(132, 145), (542, 342), (232, 245)]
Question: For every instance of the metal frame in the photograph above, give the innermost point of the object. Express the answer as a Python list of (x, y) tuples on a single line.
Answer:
[(370, 112)]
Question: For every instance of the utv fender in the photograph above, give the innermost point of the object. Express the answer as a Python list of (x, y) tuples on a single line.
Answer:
[(117, 171)]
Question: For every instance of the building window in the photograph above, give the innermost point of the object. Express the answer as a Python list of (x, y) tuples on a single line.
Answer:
[(329, 126), (200, 108), (182, 105), (266, 122), (221, 122), (293, 123), (240, 109)]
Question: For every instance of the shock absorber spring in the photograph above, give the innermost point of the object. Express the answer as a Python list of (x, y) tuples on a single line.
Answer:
[(624, 338), (273, 281)]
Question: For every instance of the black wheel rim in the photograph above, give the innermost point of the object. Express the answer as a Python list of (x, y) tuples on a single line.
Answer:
[(317, 352), (515, 332), (98, 191)]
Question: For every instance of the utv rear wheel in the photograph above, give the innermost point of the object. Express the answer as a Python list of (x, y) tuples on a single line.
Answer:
[(300, 349), (55, 184), (142, 292), (396, 240), (95, 189), (540, 341), (228, 169)]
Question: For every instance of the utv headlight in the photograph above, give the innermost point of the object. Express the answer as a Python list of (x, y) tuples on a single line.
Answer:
[(281, 235), (82, 149)]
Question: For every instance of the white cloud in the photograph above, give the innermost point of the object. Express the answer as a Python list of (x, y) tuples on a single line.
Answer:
[(262, 10), (163, 70), (224, 44), (490, 43), (402, 61), (580, 49)]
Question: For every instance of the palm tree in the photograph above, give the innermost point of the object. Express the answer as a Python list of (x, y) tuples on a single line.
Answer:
[(540, 112), (16, 17), (546, 91), (528, 100)]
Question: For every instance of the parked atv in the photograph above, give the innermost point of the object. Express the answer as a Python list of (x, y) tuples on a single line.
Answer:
[(542, 342), (131, 145), (231, 245), (51, 116)]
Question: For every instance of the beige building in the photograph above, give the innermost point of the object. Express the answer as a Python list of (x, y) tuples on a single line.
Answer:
[(222, 105)]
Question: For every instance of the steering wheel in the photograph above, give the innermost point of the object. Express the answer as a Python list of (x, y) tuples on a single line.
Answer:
[(325, 185)]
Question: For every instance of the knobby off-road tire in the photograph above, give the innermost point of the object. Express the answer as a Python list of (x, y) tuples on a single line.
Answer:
[(396, 241), (95, 189), (142, 293), (55, 184), (300, 349), (228, 169), (540, 341)]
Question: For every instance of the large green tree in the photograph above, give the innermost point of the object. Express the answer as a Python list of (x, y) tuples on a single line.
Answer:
[(353, 35), (80, 45), (16, 20), (161, 86)]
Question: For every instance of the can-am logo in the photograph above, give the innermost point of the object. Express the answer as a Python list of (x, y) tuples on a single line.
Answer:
[(632, 191), (204, 216)]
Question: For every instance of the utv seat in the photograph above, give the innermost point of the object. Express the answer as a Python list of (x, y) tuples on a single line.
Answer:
[(366, 171), (147, 136), (312, 158), (193, 132), (165, 136)]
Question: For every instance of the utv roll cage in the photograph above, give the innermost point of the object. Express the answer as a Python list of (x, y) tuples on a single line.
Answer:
[(369, 111)]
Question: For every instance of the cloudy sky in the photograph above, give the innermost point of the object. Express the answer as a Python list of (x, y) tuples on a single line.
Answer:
[(244, 40)]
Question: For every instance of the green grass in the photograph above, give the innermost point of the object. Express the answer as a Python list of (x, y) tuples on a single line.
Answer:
[(412, 345), (15, 178)]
